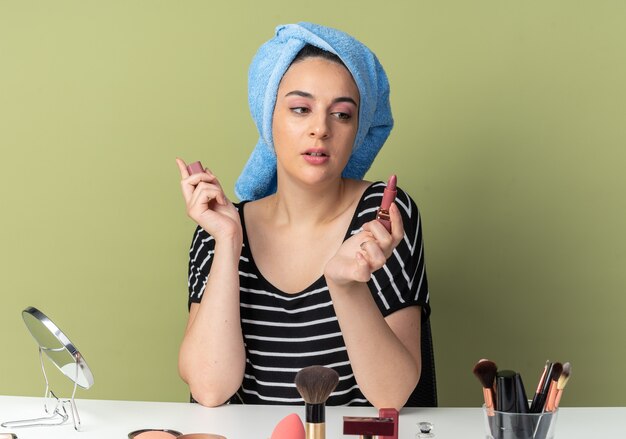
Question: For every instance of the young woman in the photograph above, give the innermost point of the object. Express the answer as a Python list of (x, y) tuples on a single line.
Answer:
[(301, 273)]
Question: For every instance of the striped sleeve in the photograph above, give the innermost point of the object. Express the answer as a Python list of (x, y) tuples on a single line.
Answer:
[(402, 281), (200, 260)]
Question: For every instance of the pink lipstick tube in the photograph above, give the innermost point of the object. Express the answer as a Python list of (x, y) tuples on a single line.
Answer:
[(195, 168), (367, 428), (393, 414), (389, 196)]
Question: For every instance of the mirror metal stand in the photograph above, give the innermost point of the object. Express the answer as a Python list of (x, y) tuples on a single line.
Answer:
[(63, 354), (58, 415)]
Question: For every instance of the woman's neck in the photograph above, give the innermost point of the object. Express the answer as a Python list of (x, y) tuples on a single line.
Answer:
[(310, 207)]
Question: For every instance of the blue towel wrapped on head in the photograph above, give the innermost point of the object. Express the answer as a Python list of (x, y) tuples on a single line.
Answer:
[(258, 178)]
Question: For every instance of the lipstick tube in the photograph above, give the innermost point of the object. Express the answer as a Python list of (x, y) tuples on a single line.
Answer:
[(389, 195), (368, 427), (195, 168), (393, 414)]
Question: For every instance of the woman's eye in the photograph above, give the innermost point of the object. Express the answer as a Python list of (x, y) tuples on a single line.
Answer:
[(342, 116), (300, 110)]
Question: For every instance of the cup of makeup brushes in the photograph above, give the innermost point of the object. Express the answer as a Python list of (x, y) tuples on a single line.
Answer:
[(505, 425)]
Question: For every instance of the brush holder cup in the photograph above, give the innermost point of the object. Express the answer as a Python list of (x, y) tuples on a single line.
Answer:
[(504, 425)]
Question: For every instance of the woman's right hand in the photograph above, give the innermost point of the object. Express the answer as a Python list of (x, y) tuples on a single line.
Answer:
[(207, 204)]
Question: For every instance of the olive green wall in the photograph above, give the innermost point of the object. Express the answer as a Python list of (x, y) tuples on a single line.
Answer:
[(510, 134)]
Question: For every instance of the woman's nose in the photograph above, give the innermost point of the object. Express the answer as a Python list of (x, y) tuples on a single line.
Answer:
[(319, 128)]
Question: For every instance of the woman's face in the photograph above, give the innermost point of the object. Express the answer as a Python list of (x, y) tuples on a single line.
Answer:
[(315, 120)]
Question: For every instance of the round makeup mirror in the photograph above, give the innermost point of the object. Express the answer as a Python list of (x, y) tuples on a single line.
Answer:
[(63, 354), (57, 347)]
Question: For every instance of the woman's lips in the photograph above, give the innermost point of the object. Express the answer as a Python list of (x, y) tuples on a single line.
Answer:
[(315, 157)]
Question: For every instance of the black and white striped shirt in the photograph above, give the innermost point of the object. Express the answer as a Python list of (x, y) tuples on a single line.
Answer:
[(286, 332)]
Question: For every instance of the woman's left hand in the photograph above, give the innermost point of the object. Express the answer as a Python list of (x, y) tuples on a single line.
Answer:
[(365, 252)]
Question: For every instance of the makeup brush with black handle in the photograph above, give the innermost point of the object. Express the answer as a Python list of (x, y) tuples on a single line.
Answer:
[(541, 393), (315, 384), (552, 374)]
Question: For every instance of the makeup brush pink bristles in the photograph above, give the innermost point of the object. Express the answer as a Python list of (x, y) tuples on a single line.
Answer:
[(485, 371)]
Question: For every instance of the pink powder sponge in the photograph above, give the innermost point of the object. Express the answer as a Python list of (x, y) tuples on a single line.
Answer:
[(290, 427)]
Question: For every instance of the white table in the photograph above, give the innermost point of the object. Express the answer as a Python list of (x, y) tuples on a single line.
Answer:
[(115, 419)]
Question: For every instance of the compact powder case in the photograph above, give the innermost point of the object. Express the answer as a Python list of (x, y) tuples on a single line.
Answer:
[(170, 434), (154, 434), (201, 436)]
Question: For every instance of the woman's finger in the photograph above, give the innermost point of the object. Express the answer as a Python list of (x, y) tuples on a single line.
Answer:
[(380, 233), (204, 193), (185, 187), (214, 185), (182, 167), (362, 271), (190, 181), (373, 254), (207, 177), (397, 226), (200, 195)]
